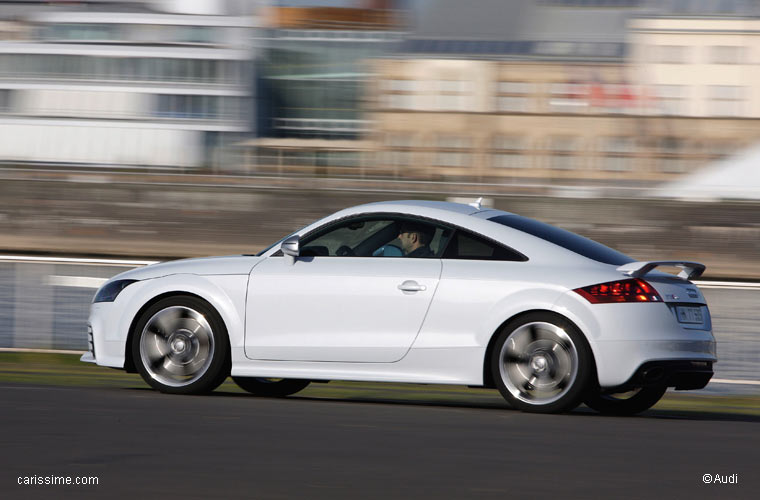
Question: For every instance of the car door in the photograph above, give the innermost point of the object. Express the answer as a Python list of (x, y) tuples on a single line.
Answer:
[(342, 299)]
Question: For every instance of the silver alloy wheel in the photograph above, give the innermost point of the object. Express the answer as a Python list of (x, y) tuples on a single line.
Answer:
[(538, 363), (177, 346)]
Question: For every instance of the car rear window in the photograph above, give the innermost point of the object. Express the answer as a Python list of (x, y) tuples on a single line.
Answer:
[(468, 246), (566, 239)]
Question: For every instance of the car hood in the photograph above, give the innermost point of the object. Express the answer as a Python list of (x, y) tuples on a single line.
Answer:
[(233, 264)]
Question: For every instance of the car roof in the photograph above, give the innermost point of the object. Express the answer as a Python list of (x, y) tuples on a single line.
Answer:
[(460, 208)]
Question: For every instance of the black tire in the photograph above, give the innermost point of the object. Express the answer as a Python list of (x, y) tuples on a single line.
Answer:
[(625, 403), (541, 363), (180, 346), (268, 387)]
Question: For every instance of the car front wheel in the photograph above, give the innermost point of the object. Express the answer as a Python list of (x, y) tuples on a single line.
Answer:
[(541, 363), (180, 346)]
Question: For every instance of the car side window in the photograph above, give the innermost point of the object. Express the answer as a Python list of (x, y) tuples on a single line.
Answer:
[(378, 236), (469, 246), (347, 239)]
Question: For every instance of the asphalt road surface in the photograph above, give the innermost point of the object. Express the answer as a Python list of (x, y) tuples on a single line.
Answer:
[(142, 444)]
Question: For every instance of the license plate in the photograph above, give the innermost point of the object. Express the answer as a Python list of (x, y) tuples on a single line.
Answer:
[(689, 315)]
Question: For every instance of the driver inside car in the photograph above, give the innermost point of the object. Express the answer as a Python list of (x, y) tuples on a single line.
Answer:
[(415, 240)]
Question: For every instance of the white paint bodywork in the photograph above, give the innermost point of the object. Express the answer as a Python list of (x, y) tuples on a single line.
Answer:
[(345, 318)]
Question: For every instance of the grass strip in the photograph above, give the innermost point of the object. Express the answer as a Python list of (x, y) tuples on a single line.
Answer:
[(67, 370)]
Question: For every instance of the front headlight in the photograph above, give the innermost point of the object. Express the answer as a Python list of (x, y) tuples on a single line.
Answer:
[(110, 291)]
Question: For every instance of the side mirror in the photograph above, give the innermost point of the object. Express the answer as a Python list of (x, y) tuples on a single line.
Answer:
[(290, 249)]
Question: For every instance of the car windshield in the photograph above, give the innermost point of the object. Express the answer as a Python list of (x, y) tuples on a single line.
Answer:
[(566, 239)]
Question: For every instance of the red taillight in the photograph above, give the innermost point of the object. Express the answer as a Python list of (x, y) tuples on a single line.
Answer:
[(631, 290)]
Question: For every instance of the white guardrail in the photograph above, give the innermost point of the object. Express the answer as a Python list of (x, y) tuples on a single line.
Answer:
[(45, 310)]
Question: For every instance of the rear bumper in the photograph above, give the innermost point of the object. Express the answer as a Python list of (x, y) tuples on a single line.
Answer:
[(680, 374), (627, 336)]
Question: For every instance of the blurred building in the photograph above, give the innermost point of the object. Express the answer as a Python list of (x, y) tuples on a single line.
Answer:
[(700, 58), (313, 71), (543, 90), (124, 85)]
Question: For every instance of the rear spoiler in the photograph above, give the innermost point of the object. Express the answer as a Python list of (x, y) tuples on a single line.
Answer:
[(691, 270)]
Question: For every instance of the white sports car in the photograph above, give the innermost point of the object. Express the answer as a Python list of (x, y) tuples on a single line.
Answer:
[(421, 292)]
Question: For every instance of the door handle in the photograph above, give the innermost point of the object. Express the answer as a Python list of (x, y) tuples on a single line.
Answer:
[(411, 286)]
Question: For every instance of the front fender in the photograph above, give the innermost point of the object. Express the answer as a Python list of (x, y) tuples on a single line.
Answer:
[(226, 294)]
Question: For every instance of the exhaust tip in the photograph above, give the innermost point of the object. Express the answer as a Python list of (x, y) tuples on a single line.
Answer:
[(653, 375)]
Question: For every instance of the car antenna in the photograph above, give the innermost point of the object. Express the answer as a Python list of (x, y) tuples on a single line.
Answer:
[(476, 203)]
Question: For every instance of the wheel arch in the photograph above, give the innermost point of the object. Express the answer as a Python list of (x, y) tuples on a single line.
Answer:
[(488, 380), (129, 362)]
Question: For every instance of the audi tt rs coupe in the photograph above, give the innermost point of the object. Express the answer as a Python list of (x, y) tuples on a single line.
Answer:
[(421, 292)]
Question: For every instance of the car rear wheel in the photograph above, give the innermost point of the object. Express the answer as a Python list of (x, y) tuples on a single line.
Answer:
[(180, 346), (627, 403), (270, 387), (541, 363)]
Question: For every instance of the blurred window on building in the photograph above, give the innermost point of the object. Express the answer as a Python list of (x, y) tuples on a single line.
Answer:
[(398, 158), (509, 143), (298, 158), (205, 107), (6, 100), (505, 87), (561, 152), (511, 104), (452, 94), (510, 161), (727, 100), (509, 151), (399, 101), (453, 86), (399, 149), (341, 159), (400, 85), (133, 69), (314, 82), (450, 102), (617, 145), (670, 151), (197, 34), (452, 159), (82, 32), (452, 150), (400, 140), (569, 97), (671, 54), (452, 141), (671, 99), (728, 54), (616, 153), (514, 97), (673, 165)]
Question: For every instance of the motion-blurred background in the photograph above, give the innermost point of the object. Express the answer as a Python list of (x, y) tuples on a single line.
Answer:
[(176, 128)]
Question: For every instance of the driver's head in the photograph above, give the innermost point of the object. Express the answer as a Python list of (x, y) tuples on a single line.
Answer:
[(413, 236)]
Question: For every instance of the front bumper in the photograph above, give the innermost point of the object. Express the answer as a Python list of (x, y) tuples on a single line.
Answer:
[(89, 356)]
